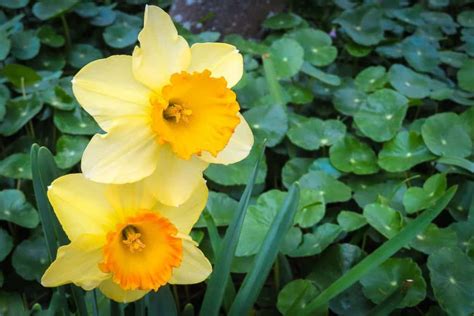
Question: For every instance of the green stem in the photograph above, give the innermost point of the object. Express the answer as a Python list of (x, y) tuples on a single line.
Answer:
[(66, 32)]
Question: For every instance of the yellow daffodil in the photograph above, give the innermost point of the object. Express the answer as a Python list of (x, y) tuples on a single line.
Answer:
[(123, 240), (168, 111)]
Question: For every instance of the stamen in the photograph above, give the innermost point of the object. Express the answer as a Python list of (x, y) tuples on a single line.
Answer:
[(131, 238), (176, 112)]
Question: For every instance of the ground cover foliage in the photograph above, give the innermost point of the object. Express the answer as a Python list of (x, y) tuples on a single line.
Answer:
[(367, 105)]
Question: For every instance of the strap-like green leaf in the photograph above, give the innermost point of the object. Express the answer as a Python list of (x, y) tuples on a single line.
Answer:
[(273, 85), (384, 252), (267, 254), (215, 291), (44, 171)]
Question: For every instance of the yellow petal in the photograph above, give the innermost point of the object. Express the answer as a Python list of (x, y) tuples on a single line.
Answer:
[(128, 199), (175, 179), (113, 291), (127, 153), (161, 53), (186, 215), (107, 90), (195, 267), (223, 60), (77, 263), (81, 206), (237, 149)]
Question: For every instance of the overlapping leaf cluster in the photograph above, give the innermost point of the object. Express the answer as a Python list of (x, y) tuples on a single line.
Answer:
[(367, 105)]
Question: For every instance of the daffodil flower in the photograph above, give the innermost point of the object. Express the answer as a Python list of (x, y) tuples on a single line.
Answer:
[(123, 240), (168, 111)]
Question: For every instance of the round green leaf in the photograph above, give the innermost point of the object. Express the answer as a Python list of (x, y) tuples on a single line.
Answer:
[(282, 21), (299, 94), (287, 57), (13, 4), (384, 219), (434, 238), (221, 207), (82, 54), (69, 150), (465, 76), (30, 258), (20, 75), (25, 45), (47, 9), (11, 303), (49, 60), (454, 59), (403, 152), (238, 173), (322, 76), (311, 208), (268, 122), (466, 18), (446, 135), (105, 16), (411, 15), (357, 50), (257, 222), (16, 166), (417, 199), (371, 190), (420, 53), (86, 9), (452, 279), (408, 82), (468, 118), (382, 116), (317, 45), (76, 122), (59, 99), (351, 155), (18, 112), (292, 239), (14, 208), (390, 276), (348, 100), (123, 32), (48, 36), (350, 221), (324, 164), (314, 133), (363, 25), (246, 46), (371, 78), (327, 186), (315, 242), (294, 169), (298, 292), (390, 51), (335, 262), (5, 45), (119, 36), (6, 244)]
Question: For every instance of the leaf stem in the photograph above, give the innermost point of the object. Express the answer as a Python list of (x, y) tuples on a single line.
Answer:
[(66, 32)]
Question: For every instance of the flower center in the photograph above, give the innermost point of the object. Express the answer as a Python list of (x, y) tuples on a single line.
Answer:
[(194, 113), (142, 252), (176, 112), (131, 238)]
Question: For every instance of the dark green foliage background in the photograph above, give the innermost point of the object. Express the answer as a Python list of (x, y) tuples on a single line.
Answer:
[(367, 105)]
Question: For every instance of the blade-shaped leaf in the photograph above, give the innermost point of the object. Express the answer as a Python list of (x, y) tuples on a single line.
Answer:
[(267, 254), (382, 253), (215, 291)]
